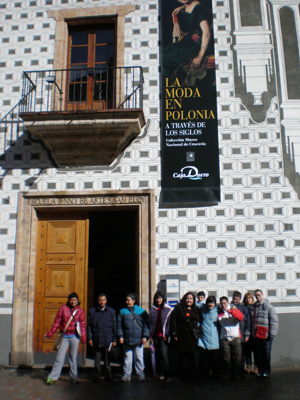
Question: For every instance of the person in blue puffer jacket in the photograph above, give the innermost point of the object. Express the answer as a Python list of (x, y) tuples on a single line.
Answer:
[(133, 331), (209, 342)]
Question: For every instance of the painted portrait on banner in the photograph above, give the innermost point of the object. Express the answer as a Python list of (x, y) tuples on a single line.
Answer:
[(190, 162)]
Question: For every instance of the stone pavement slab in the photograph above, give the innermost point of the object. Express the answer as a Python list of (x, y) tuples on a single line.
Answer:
[(29, 384)]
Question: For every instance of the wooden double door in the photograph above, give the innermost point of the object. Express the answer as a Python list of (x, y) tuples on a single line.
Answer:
[(61, 268)]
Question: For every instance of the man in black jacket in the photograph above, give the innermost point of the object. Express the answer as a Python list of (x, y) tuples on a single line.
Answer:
[(101, 334)]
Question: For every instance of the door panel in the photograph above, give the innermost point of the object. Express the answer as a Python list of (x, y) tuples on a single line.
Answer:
[(61, 269)]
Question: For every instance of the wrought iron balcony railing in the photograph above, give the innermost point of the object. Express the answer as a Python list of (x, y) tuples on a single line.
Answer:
[(83, 89), (73, 90)]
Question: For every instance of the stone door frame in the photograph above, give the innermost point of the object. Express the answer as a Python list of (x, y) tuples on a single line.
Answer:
[(29, 204)]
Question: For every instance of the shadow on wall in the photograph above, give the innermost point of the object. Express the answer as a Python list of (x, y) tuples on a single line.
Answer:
[(26, 153)]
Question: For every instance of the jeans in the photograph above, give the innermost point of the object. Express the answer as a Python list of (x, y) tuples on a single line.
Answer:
[(231, 352), (161, 356), (133, 354), (73, 342), (262, 351), (102, 352)]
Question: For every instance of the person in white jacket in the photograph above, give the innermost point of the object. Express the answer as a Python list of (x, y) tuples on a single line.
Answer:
[(230, 338)]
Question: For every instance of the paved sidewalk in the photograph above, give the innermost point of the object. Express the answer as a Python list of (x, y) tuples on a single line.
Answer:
[(29, 384)]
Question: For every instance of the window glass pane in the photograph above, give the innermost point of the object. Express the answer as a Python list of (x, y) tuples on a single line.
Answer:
[(77, 92), (78, 74), (105, 36), (79, 55), (80, 37), (104, 54)]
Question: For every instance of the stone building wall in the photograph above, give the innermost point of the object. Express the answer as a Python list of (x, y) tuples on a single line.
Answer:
[(250, 239)]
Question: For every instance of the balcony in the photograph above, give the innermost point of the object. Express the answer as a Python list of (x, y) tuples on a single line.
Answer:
[(85, 117)]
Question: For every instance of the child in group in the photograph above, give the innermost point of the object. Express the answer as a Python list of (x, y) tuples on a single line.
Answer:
[(133, 331)]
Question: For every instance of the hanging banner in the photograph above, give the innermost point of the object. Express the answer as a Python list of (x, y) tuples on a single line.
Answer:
[(189, 137)]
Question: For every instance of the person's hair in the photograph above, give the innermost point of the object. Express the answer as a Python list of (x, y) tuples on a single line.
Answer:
[(156, 296), (133, 296), (224, 298), (246, 295), (72, 295), (237, 294), (258, 290), (101, 295), (211, 299), (183, 300), (201, 294)]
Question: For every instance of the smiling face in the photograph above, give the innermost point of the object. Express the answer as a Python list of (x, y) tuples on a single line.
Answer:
[(224, 304), (259, 296), (159, 301), (248, 300), (211, 306), (129, 302), (73, 301), (189, 301)]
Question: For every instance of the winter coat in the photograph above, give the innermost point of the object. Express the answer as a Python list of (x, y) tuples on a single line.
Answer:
[(62, 318), (133, 325), (229, 322), (164, 317), (264, 314), (209, 339), (245, 323), (183, 323), (102, 326)]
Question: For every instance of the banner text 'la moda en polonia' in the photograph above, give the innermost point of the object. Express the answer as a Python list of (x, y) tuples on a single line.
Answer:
[(190, 154)]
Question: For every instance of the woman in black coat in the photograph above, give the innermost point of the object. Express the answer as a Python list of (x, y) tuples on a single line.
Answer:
[(184, 320)]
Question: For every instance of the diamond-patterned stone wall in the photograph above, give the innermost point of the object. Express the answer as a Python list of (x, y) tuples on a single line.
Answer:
[(250, 239)]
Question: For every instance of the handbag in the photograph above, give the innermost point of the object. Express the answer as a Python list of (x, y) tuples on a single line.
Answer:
[(58, 341), (77, 329), (197, 333), (261, 332), (60, 336)]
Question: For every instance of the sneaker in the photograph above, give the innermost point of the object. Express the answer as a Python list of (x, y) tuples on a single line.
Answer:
[(265, 375), (50, 381), (161, 378), (126, 378), (259, 375), (74, 381), (141, 378)]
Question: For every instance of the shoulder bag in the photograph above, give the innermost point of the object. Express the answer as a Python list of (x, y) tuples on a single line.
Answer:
[(60, 337)]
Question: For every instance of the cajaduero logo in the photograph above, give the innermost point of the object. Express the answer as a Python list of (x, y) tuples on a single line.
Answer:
[(190, 172)]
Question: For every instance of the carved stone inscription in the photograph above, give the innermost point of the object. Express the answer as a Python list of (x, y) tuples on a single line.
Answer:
[(85, 200)]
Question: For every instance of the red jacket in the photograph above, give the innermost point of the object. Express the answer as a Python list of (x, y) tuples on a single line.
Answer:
[(62, 318)]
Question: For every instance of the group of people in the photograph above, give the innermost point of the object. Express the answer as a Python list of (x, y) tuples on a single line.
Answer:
[(209, 338)]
